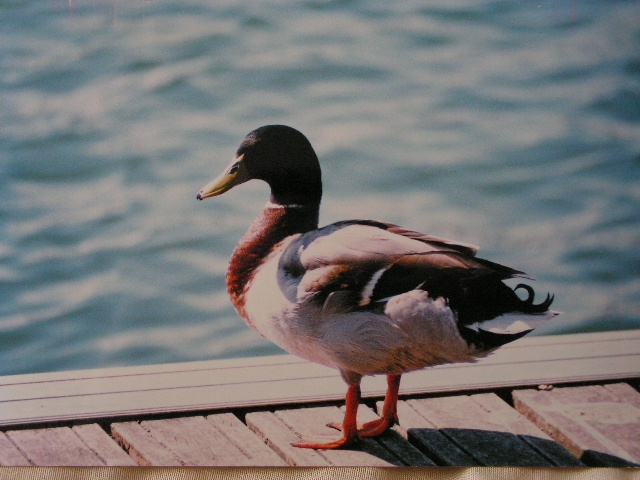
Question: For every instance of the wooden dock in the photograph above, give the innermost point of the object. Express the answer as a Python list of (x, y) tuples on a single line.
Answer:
[(568, 400)]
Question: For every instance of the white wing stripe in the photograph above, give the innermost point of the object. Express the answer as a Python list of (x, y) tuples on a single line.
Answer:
[(367, 291)]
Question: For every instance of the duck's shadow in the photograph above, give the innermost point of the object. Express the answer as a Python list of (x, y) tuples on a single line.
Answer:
[(471, 447)]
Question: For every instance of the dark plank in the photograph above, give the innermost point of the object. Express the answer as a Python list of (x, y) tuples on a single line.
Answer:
[(513, 421), (604, 420), (427, 438), (257, 452), (103, 445), (599, 459), (10, 456), (396, 442), (54, 447), (481, 436)]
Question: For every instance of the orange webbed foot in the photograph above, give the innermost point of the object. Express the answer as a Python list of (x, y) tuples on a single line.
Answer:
[(348, 427), (334, 445), (350, 431), (376, 427)]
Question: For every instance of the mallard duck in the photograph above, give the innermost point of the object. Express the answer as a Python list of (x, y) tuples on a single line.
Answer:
[(362, 296)]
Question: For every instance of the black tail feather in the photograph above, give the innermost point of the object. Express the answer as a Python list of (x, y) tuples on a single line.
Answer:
[(487, 340), (527, 305), (485, 297)]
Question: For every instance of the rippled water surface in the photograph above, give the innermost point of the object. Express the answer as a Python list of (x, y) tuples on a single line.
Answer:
[(511, 125)]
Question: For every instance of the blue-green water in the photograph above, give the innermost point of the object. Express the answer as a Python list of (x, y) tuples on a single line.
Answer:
[(511, 125)]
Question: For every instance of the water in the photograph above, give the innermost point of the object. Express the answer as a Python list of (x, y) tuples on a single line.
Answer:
[(511, 125)]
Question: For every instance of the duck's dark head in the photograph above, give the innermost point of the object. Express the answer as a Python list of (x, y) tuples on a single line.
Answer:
[(279, 155)]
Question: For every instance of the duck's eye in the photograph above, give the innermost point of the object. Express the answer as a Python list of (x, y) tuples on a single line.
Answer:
[(234, 168)]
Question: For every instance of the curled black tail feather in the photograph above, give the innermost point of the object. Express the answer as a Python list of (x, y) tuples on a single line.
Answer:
[(484, 297), (504, 301), (527, 305)]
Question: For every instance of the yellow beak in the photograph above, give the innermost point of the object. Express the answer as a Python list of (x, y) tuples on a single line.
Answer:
[(235, 174)]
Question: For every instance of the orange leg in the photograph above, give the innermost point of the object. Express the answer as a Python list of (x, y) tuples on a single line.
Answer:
[(349, 426), (389, 411)]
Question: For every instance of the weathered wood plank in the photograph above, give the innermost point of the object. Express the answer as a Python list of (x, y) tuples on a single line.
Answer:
[(599, 459), (54, 447), (107, 393), (485, 439), (586, 418), (140, 372), (500, 412), (10, 456), (501, 415), (625, 392), (396, 442), (165, 399), (423, 434), (311, 425), (256, 451), (406, 452), (280, 437), (103, 445), (175, 439), (195, 442), (142, 447), (155, 377), (524, 350)]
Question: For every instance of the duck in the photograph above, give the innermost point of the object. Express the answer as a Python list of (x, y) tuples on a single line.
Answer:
[(364, 297)]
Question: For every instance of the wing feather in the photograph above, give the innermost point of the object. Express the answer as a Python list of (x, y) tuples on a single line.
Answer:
[(361, 265)]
